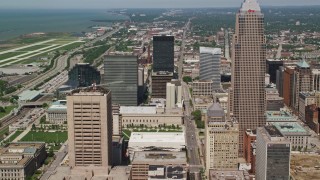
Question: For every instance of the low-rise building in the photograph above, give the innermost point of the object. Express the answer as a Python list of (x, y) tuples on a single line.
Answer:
[(150, 116), (22, 159), (57, 112), (273, 101), (159, 165), (280, 116), (228, 175), (147, 141), (29, 95), (293, 131)]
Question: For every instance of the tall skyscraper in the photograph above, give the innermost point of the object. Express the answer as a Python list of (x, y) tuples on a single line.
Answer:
[(163, 53), (272, 154), (83, 75), (210, 66), (89, 112), (248, 70), (121, 77)]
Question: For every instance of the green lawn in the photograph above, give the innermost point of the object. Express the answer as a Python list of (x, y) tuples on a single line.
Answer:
[(70, 46), (3, 132), (8, 110), (15, 135), (9, 55), (48, 137)]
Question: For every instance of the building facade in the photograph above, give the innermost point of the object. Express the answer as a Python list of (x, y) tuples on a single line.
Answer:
[(159, 82), (249, 143), (121, 77), (83, 75), (248, 70), (272, 154), (89, 113), (163, 53), (57, 112), (202, 88), (210, 66), (159, 165), (20, 160)]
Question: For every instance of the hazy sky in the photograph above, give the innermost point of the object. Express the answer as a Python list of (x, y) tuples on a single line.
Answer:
[(105, 4)]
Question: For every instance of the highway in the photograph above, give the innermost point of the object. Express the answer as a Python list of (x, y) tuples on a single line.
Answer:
[(278, 56)]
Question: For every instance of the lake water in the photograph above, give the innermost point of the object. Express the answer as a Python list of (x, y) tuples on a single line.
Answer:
[(14, 23)]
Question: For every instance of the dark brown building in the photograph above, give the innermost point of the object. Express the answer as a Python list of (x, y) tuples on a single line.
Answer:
[(159, 82), (288, 82)]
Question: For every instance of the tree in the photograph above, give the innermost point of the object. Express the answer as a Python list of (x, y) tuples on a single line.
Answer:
[(196, 114), (45, 105), (2, 109), (51, 154), (187, 79), (43, 120)]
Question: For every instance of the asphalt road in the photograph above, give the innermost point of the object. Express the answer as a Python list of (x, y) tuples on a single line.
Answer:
[(180, 62)]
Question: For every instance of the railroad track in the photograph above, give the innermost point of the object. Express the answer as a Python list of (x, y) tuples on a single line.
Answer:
[(13, 118)]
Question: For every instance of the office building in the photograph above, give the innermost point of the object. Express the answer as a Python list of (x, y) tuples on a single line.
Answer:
[(57, 112), (151, 141), (210, 66), (116, 119), (295, 133), (83, 75), (315, 80), (313, 118), (150, 116), (273, 101), (280, 81), (159, 82), (174, 94), (89, 113), (272, 67), (202, 88), (288, 85), (121, 77), (20, 160), (159, 165), (280, 116), (249, 148), (272, 154), (303, 78), (141, 84), (163, 53), (248, 70), (215, 113), (228, 175), (305, 99)]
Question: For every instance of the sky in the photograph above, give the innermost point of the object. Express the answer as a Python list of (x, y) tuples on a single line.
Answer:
[(107, 4)]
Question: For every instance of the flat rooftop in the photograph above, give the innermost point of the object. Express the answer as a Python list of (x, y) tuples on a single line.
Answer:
[(273, 131), (290, 128), (60, 105), (28, 95), (138, 110), (226, 175), (279, 116), (160, 156), (159, 137)]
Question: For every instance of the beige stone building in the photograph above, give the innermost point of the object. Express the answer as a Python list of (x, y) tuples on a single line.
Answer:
[(22, 159), (221, 141), (248, 69), (89, 112), (155, 165), (150, 116), (202, 88)]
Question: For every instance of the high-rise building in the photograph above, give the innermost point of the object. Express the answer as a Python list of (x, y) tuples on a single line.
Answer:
[(163, 53), (89, 112), (83, 75), (279, 80), (249, 145), (315, 79), (272, 154), (288, 85), (159, 82), (121, 77), (210, 66), (173, 94), (272, 67), (248, 69), (221, 141)]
